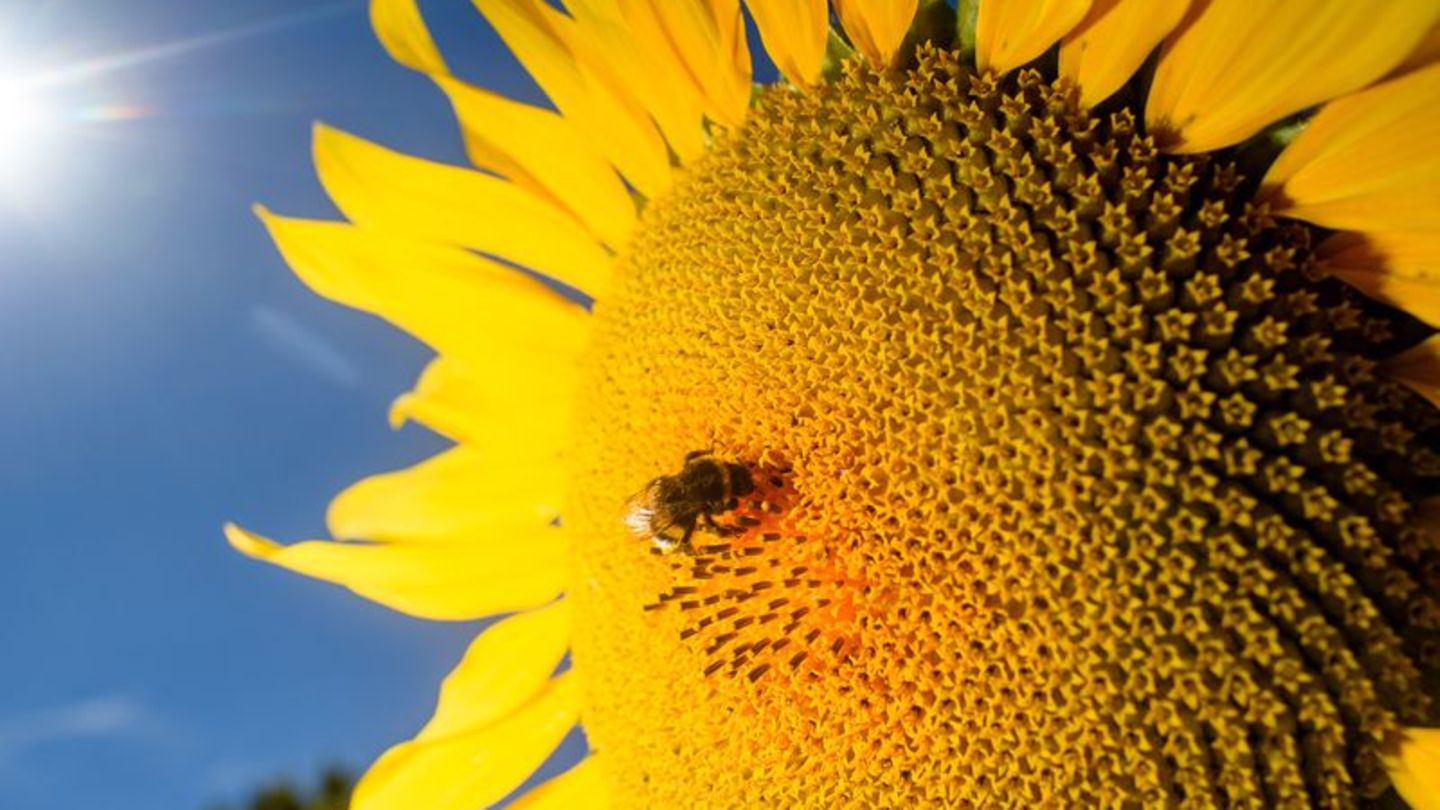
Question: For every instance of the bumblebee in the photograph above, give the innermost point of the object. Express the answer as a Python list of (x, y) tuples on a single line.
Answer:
[(669, 508)]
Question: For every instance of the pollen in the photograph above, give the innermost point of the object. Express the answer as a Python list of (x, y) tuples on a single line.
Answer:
[(1077, 484)]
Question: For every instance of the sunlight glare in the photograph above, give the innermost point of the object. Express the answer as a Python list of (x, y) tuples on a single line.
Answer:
[(26, 121)]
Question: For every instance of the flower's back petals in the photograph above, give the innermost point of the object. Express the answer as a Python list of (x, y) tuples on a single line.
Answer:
[(514, 138), (709, 38), (473, 769), (1415, 767), (459, 303), (1367, 162), (1010, 33), (1419, 368), (629, 41), (504, 668), (1235, 66), (442, 581), (460, 492), (876, 27), (390, 191), (522, 414), (402, 32), (1108, 46), (583, 787), (794, 34), (619, 128), (1402, 269)]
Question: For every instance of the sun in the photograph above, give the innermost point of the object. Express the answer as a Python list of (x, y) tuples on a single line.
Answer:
[(27, 119)]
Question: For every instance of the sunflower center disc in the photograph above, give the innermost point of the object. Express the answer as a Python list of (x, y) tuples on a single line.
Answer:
[(1079, 484)]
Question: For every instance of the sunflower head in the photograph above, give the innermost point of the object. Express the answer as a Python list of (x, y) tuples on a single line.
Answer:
[(1083, 392)]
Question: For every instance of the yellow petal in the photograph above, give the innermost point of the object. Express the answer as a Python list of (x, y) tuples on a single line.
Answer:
[(456, 494), (443, 581), (402, 31), (1109, 45), (1010, 33), (535, 148), (709, 38), (1401, 269), (543, 150), (1235, 66), (794, 34), (1367, 162), (427, 201), (583, 787), (1414, 767), (619, 128), (474, 769), (505, 667), (1419, 368), (627, 38), (1424, 54), (460, 303), (876, 27), (524, 413)]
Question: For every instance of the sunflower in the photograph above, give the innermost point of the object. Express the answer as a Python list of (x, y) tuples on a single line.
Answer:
[(1081, 355)]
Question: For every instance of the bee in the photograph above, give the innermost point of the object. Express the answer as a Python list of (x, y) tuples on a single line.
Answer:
[(668, 509)]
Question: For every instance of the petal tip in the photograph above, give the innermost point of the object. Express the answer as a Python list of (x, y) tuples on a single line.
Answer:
[(400, 410), (248, 543)]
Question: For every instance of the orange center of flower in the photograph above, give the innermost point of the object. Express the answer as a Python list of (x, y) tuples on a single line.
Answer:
[(1075, 485)]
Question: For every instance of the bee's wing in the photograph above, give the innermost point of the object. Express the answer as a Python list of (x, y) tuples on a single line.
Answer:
[(641, 514)]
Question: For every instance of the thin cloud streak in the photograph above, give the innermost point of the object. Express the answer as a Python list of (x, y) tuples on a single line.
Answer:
[(94, 718), (304, 346)]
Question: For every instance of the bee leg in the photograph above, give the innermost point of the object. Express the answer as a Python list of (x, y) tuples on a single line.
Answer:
[(684, 544), (694, 454), (723, 531)]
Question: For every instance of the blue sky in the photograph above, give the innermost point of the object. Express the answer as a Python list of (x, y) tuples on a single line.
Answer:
[(163, 372)]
